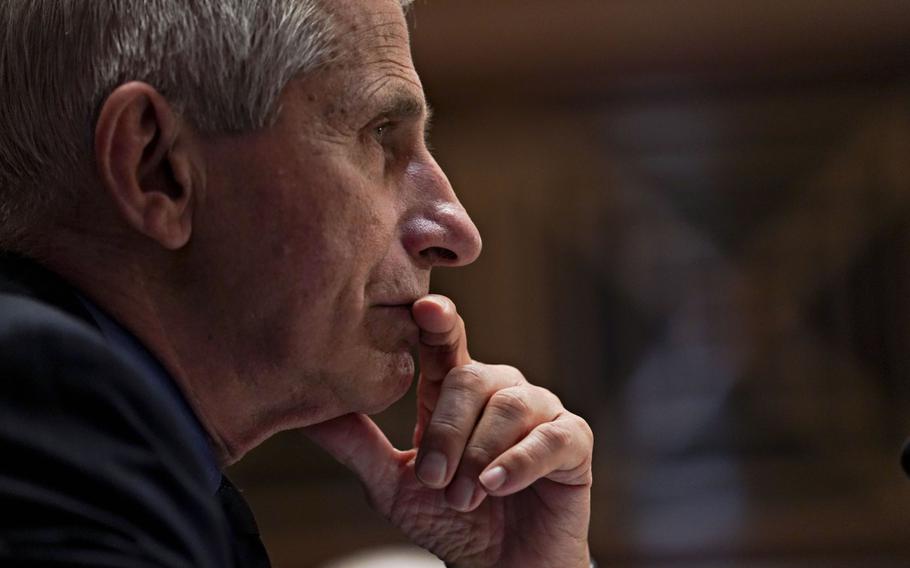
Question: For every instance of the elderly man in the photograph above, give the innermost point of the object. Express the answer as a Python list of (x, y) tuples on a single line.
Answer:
[(219, 219)]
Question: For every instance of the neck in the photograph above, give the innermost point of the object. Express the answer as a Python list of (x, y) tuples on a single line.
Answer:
[(225, 360), (156, 315)]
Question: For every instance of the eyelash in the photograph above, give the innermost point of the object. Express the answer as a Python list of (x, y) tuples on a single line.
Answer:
[(381, 133), (381, 130)]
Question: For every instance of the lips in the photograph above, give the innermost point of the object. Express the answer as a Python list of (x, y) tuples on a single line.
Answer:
[(404, 309), (403, 301), (403, 306), (392, 326)]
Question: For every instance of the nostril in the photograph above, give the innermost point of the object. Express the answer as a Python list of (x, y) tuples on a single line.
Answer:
[(437, 254)]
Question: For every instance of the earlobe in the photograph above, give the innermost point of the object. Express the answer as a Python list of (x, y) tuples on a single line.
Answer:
[(146, 164)]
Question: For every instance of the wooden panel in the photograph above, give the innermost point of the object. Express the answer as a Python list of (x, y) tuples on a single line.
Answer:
[(573, 46)]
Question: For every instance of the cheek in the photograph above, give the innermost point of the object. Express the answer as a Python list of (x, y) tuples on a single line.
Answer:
[(356, 232), (324, 263), (325, 237)]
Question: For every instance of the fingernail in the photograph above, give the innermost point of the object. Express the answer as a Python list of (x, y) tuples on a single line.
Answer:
[(460, 493), (494, 478), (432, 470)]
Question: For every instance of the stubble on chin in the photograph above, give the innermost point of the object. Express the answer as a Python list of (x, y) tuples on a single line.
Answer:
[(394, 376)]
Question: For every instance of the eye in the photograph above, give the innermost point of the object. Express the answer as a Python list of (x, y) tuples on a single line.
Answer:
[(381, 130)]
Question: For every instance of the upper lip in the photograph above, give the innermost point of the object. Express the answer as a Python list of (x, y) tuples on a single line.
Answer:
[(407, 304)]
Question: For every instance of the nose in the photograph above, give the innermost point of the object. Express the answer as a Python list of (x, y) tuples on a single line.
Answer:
[(439, 231)]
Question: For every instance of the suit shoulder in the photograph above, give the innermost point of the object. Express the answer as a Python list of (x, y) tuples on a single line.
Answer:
[(30, 328), (90, 448), (23, 313), (60, 367), (45, 351)]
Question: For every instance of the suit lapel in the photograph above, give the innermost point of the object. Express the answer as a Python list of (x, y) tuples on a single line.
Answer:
[(248, 546)]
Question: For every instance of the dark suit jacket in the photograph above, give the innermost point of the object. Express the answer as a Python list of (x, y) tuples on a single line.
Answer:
[(94, 471)]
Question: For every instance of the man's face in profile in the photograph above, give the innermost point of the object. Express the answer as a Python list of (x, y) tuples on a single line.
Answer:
[(324, 227)]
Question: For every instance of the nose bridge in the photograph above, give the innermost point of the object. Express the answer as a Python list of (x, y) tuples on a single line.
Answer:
[(439, 230)]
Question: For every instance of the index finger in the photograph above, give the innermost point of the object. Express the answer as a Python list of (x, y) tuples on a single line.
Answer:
[(443, 342)]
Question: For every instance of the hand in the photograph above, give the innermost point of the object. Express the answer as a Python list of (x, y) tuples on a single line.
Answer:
[(502, 476)]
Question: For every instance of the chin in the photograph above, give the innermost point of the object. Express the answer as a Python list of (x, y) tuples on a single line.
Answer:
[(397, 376)]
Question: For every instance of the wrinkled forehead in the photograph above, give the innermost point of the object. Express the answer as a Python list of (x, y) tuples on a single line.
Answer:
[(371, 56), (368, 29)]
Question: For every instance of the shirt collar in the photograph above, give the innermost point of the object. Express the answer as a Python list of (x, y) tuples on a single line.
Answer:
[(129, 347)]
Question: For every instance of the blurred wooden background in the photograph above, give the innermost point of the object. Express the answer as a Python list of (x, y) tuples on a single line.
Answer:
[(696, 219)]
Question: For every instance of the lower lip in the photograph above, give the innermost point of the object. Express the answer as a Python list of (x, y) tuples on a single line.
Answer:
[(402, 310), (397, 322)]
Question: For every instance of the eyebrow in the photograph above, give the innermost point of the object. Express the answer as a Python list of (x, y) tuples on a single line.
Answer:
[(404, 105)]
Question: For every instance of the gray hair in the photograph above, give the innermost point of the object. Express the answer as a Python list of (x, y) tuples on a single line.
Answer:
[(222, 63)]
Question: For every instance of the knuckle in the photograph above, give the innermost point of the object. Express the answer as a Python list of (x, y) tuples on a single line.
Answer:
[(556, 437), (583, 429), (587, 434), (466, 379), (479, 455), (523, 456), (510, 405), (580, 475), (548, 398), (442, 428), (512, 375)]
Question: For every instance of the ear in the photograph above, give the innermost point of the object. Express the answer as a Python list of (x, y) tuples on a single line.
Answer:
[(147, 164)]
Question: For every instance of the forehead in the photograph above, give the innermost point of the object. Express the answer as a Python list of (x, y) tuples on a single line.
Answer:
[(368, 25), (371, 60)]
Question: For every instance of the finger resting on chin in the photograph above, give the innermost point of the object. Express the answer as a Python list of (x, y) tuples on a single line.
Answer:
[(435, 314), (442, 339), (439, 353)]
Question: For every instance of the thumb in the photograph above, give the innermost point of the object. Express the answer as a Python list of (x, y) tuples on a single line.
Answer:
[(357, 442), (443, 341)]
